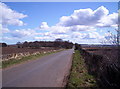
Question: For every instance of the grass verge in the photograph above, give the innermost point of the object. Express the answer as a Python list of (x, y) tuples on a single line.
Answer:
[(79, 76), (11, 62)]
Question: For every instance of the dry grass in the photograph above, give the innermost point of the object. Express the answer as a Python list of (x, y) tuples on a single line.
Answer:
[(11, 62)]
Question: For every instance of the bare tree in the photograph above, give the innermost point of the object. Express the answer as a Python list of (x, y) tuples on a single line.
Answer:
[(118, 36), (113, 39)]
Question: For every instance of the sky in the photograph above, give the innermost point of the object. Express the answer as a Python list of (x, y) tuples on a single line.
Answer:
[(78, 22)]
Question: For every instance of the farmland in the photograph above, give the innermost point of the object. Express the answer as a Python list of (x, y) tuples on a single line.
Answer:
[(10, 50), (28, 48), (24, 58), (107, 52), (14, 54)]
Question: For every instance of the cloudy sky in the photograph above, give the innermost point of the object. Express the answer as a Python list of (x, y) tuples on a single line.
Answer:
[(78, 22)]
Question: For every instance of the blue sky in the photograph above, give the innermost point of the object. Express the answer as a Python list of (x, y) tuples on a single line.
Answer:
[(44, 20)]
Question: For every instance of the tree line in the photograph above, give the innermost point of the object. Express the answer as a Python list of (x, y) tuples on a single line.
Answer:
[(38, 44)]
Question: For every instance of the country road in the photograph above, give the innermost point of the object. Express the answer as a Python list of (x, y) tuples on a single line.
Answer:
[(48, 71)]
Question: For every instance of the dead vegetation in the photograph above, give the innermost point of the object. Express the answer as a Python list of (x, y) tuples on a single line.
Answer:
[(103, 64)]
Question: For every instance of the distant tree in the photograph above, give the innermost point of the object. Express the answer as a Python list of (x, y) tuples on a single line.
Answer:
[(68, 45), (25, 44), (77, 46), (56, 44), (4, 45), (59, 40), (19, 44), (36, 44), (31, 44)]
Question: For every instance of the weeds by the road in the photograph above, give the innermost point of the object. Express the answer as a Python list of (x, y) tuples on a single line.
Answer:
[(79, 76), (11, 62)]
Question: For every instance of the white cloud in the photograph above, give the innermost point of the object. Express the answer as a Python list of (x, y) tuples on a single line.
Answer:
[(78, 35), (10, 17), (83, 20), (92, 35), (4, 29), (84, 17), (51, 36), (44, 26), (81, 28), (62, 36), (42, 38), (89, 37), (7, 38), (23, 33), (87, 17), (59, 29), (109, 21), (53, 29)]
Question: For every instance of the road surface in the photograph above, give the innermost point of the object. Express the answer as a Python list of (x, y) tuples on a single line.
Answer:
[(48, 71)]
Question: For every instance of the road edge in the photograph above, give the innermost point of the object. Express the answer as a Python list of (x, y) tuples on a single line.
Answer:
[(67, 73)]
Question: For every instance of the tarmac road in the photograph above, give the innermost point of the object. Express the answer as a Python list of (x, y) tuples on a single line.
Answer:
[(48, 71)]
